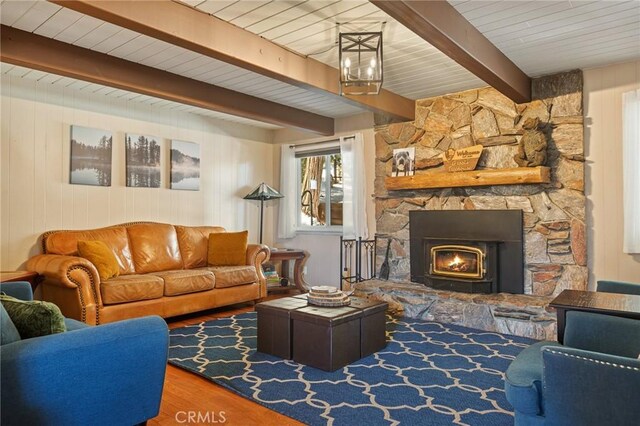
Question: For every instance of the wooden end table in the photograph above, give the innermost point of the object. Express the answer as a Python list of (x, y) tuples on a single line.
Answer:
[(284, 256), (620, 305), (12, 276)]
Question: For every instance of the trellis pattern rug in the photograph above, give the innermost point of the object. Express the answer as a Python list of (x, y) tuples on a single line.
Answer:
[(429, 374)]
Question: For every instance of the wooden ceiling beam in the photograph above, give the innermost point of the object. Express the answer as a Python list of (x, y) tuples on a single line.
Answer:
[(183, 26), (45, 54), (442, 26)]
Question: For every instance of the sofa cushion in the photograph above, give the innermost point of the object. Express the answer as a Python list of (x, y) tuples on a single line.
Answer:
[(102, 258), (66, 243), (154, 247), (130, 288), (186, 281), (34, 318), (523, 379), (194, 244), (228, 248), (230, 276)]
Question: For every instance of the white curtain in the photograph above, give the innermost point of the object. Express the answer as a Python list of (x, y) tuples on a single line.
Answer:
[(631, 170), (287, 206), (354, 212)]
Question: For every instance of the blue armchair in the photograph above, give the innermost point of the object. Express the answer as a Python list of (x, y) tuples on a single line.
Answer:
[(618, 287), (110, 374), (593, 379)]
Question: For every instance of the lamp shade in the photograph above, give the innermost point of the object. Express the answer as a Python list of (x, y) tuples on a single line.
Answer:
[(263, 192)]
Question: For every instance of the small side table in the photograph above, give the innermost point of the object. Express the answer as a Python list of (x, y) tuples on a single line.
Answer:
[(12, 276), (300, 257), (620, 305)]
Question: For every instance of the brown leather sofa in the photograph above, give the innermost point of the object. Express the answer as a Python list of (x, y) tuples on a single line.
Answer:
[(163, 271)]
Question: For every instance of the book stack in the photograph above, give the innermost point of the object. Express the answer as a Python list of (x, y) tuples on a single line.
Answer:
[(327, 296), (269, 271)]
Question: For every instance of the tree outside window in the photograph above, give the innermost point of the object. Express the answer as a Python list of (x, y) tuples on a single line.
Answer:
[(321, 190)]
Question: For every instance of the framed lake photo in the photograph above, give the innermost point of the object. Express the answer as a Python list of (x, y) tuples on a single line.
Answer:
[(185, 165), (143, 161), (90, 156)]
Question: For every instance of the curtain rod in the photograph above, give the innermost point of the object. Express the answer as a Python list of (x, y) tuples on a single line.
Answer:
[(320, 142)]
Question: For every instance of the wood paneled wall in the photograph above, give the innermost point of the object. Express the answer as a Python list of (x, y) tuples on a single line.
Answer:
[(603, 89), (34, 163)]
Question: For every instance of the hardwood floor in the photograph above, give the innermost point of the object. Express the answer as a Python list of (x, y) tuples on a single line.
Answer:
[(188, 394)]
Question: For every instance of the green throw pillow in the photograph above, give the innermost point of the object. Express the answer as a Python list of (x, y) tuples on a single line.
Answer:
[(34, 318)]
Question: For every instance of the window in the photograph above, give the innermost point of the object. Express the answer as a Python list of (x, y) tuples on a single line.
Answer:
[(319, 187), (324, 188)]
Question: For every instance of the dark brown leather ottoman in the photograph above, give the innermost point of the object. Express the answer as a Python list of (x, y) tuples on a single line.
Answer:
[(373, 325), (326, 338), (274, 325)]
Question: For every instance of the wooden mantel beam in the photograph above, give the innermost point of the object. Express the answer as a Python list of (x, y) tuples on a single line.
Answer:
[(45, 54), (183, 26), (442, 26)]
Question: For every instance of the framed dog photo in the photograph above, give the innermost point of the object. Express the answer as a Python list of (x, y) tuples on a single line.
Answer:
[(403, 162)]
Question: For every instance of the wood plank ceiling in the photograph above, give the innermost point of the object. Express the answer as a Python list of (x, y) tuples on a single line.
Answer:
[(540, 37)]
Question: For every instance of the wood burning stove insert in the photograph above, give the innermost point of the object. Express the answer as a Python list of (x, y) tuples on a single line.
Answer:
[(461, 265), (468, 251), (457, 261)]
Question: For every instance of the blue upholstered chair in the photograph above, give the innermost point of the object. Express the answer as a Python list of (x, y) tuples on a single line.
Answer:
[(109, 374), (618, 287), (593, 379)]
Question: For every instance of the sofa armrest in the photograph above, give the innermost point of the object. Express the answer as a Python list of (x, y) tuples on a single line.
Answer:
[(75, 285), (104, 375), (590, 388), (603, 333), (257, 254), (62, 270)]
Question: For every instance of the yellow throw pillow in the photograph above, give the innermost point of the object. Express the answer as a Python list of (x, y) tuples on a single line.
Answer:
[(228, 248), (98, 253)]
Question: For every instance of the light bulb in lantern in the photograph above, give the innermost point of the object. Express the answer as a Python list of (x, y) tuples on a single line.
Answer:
[(370, 72), (347, 63), (373, 62)]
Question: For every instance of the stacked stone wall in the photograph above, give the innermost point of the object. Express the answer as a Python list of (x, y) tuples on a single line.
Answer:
[(554, 213)]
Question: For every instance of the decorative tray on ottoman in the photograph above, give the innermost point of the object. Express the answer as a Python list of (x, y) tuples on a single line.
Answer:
[(327, 296)]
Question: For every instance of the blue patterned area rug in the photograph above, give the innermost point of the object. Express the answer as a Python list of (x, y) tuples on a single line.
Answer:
[(429, 374)]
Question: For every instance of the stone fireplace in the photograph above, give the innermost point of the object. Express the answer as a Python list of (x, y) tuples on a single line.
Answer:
[(552, 225), (472, 251)]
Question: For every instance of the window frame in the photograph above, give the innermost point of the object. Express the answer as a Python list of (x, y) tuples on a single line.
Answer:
[(332, 147)]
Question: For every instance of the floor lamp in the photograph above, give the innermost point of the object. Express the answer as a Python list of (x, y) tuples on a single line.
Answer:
[(263, 192)]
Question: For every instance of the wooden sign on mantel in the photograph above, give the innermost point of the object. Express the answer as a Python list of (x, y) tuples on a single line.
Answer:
[(463, 159)]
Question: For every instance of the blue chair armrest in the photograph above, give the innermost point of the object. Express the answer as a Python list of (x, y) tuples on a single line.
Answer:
[(588, 388), (111, 374), (18, 289), (618, 287), (523, 379), (603, 333)]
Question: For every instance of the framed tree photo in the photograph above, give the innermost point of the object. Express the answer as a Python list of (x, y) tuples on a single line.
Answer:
[(90, 156), (143, 161)]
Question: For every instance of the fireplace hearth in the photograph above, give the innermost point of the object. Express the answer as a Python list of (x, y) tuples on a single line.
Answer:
[(468, 251)]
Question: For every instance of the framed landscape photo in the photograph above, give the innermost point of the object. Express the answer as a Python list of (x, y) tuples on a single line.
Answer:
[(90, 156), (403, 162), (143, 161), (185, 165)]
